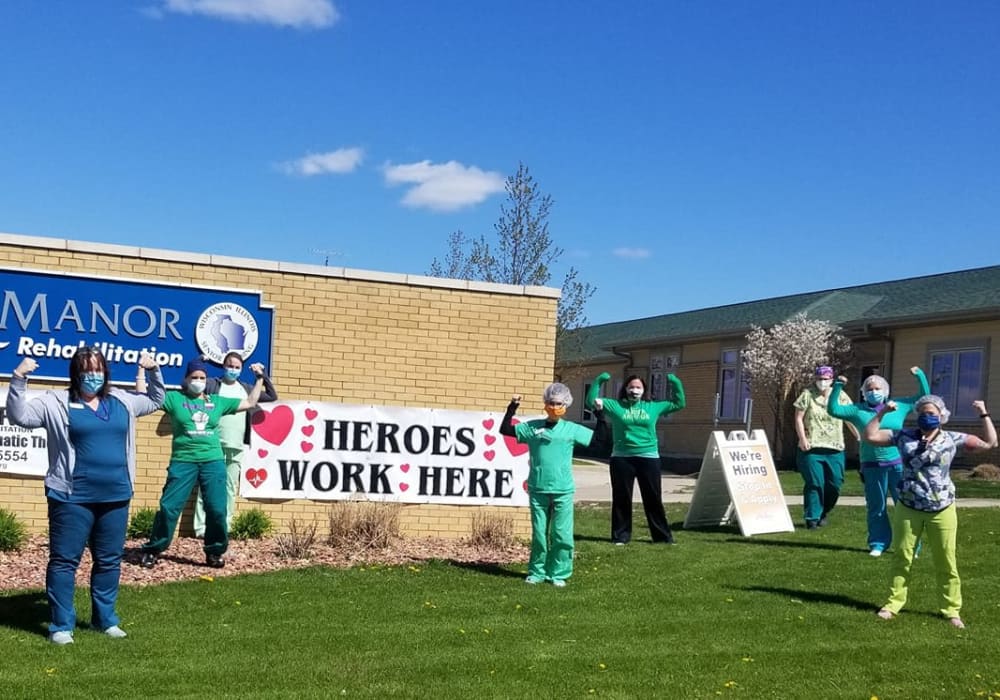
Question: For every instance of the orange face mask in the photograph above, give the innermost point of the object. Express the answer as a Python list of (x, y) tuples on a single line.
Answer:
[(555, 412)]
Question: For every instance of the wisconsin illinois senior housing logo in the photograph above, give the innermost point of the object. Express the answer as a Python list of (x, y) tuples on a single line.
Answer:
[(224, 328)]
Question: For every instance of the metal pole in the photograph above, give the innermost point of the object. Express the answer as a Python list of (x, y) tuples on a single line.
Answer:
[(715, 412), (748, 412)]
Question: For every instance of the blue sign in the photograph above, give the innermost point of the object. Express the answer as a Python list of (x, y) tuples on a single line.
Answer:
[(47, 316)]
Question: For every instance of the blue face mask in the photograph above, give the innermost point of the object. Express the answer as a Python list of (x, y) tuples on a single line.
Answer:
[(874, 397), (232, 374), (928, 421), (91, 382)]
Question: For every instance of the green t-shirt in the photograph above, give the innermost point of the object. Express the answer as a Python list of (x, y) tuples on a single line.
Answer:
[(550, 451), (633, 424), (195, 425), (823, 430)]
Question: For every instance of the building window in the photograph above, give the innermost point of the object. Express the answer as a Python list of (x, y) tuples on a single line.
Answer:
[(659, 367), (733, 388), (958, 375)]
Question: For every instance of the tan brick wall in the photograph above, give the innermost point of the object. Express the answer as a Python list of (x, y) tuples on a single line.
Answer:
[(362, 338)]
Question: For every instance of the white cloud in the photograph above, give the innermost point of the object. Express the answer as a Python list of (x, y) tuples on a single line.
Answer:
[(632, 253), (343, 160), (301, 14), (445, 187)]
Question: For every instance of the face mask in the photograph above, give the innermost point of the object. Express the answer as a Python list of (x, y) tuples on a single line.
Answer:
[(555, 412), (634, 393), (91, 382), (232, 374), (874, 397), (928, 421), (823, 384), (196, 386)]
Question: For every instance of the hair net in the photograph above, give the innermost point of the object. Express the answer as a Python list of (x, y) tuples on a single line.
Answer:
[(824, 371), (558, 393), (876, 381), (936, 401)]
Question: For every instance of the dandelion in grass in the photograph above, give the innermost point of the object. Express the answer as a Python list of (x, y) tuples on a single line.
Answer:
[(730, 684), (429, 604), (517, 607), (729, 600), (209, 579), (747, 659), (50, 671), (602, 666), (461, 631)]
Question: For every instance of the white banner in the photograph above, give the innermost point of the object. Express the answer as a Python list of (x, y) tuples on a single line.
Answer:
[(327, 451), (22, 451)]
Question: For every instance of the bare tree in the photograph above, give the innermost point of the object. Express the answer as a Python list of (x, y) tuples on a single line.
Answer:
[(522, 253), (778, 363)]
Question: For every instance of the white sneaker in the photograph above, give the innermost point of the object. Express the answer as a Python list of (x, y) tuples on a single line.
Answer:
[(533, 580), (61, 638), (875, 553), (116, 632), (558, 583)]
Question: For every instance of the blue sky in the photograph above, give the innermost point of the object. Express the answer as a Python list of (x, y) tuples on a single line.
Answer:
[(699, 153)]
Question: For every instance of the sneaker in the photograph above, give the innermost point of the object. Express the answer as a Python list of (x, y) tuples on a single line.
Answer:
[(619, 544), (875, 552), (811, 525), (822, 522), (215, 561), (61, 638), (955, 622), (885, 614), (533, 580), (561, 583), (116, 632), (148, 560)]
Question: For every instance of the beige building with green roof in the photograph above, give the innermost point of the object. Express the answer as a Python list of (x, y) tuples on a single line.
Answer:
[(948, 324)]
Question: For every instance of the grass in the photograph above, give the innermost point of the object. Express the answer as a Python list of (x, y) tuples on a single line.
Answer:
[(787, 615), (791, 485)]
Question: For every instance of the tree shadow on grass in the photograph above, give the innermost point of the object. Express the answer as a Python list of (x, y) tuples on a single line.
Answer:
[(797, 543), (25, 611), (813, 597), (488, 568)]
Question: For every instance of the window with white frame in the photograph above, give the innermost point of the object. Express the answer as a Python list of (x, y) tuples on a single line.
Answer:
[(659, 367), (958, 375), (733, 388)]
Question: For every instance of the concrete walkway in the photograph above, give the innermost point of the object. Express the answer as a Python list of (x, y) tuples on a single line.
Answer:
[(594, 484)]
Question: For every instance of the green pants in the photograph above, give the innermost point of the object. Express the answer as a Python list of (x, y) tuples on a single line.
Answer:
[(940, 532), (823, 473), (181, 478), (551, 517), (233, 457)]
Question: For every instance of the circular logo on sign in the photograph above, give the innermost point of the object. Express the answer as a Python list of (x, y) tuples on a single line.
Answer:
[(224, 328)]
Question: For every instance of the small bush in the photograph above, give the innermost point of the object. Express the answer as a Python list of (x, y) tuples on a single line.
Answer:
[(986, 472), (492, 530), (364, 524), (298, 542), (13, 533), (140, 525), (251, 524)]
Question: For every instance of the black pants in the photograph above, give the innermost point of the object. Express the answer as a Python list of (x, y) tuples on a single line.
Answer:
[(624, 472)]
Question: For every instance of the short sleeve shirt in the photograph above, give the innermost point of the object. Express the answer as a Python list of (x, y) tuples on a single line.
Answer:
[(926, 481), (232, 427), (195, 424), (550, 450), (823, 430)]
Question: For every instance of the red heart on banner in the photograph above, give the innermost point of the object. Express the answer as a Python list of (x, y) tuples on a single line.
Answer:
[(275, 425), (311, 414), (489, 455), (488, 424), (525, 485), (307, 430), (403, 487), (256, 477), (404, 468), (515, 448), (306, 446), (490, 439), (262, 453)]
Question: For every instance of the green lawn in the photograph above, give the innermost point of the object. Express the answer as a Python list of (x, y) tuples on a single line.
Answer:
[(791, 484), (779, 616)]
